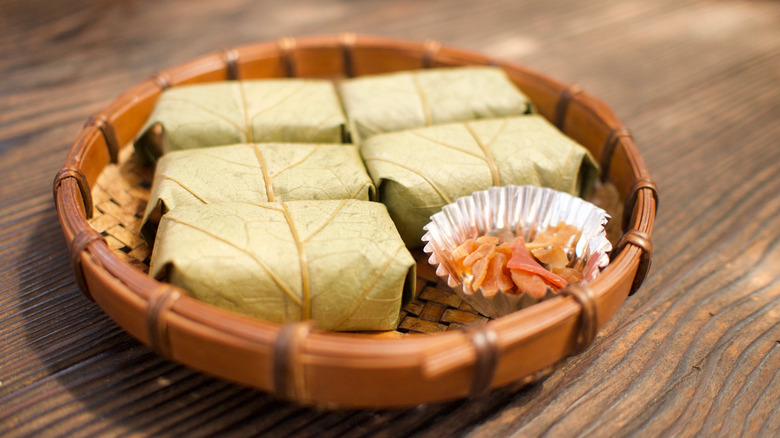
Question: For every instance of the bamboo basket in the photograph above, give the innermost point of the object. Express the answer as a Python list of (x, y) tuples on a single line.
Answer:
[(101, 191)]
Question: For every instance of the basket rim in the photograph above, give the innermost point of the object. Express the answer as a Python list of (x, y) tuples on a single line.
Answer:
[(293, 351)]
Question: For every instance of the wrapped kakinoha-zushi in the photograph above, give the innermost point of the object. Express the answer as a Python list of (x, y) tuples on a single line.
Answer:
[(340, 263), (255, 173), (415, 99), (251, 111), (417, 172)]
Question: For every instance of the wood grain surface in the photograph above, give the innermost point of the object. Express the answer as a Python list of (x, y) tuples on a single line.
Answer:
[(695, 352)]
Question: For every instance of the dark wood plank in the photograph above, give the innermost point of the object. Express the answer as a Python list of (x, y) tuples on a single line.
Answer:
[(695, 352)]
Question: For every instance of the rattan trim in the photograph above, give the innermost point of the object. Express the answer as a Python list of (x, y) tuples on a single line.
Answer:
[(347, 43), (101, 122), (81, 181), (230, 57), (588, 314), (633, 194), (641, 240), (485, 342), (288, 378), (162, 80), (432, 48), (609, 150), (80, 244), (287, 47), (160, 302), (563, 105)]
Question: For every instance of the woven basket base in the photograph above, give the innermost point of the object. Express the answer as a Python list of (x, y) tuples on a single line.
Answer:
[(121, 194)]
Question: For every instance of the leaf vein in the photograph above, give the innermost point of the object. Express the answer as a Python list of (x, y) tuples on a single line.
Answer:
[(416, 172), (305, 284), (491, 162), (370, 286), (245, 106), (269, 188), (208, 110), (278, 102), (290, 166), (183, 186), (423, 100), (327, 221), (448, 146), (265, 267)]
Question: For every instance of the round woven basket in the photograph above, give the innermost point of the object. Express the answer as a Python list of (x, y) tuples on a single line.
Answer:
[(101, 191)]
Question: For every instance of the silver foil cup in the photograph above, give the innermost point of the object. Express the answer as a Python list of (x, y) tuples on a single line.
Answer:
[(531, 208)]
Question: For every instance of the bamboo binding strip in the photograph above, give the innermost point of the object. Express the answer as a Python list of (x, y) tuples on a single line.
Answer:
[(484, 340), (81, 180), (160, 302), (588, 314), (109, 135), (641, 240), (605, 162), (78, 246), (296, 361)]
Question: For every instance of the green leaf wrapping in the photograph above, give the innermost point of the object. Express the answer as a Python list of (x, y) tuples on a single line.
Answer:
[(340, 263), (255, 173), (417, 172), (253, 111), (407, 100)]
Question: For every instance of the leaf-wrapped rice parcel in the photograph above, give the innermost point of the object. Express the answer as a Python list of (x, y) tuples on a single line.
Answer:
[(255, 173), (415, 99), (417, 172), (251, 111), (340, 263)]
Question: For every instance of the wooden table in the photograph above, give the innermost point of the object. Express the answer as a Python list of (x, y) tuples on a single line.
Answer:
[(695, 351)]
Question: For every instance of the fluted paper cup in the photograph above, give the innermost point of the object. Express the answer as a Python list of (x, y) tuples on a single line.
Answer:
[(533, 209)]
